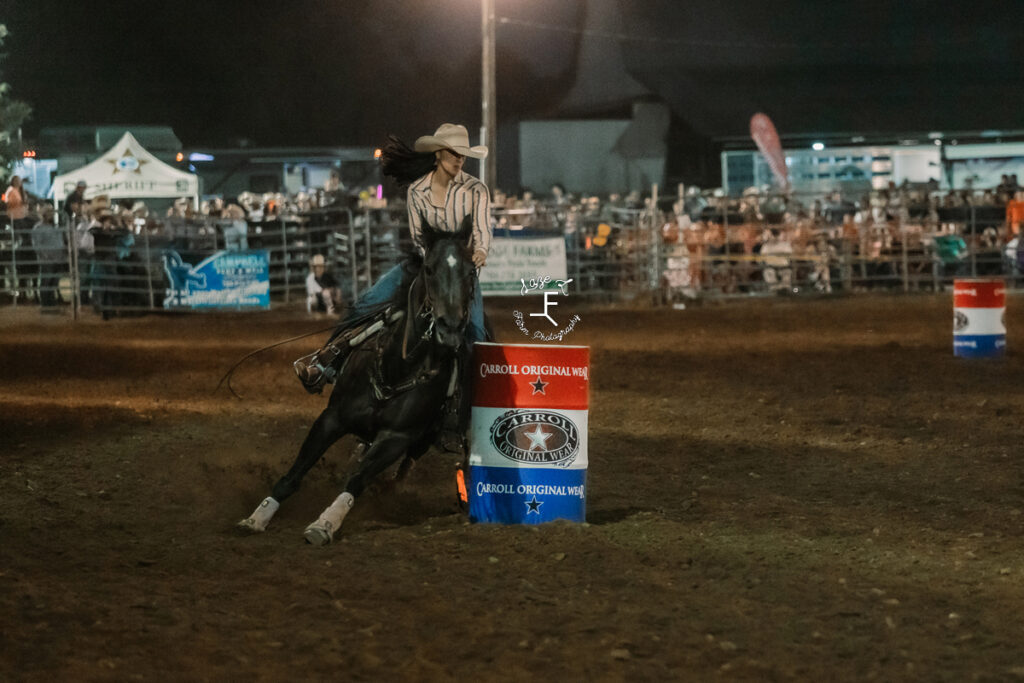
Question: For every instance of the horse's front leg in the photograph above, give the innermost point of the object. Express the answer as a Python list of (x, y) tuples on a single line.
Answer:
[(327, 429), (414, 453), (385, 451)]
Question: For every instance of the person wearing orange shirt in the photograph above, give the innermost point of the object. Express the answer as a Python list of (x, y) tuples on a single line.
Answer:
[(1015, 213), (17, 207)]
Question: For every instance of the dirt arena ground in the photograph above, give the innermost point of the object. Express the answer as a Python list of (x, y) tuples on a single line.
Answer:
[(778, 490)]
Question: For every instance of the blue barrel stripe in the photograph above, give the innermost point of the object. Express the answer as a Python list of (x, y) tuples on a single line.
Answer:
[(979, 345), (520, 495)]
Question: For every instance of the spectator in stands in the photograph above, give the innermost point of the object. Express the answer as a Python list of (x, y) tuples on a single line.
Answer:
[(234, 228), (51, 253), (1015, 213), (333, 183), (74, 204), (113, 243), (558, 196), (17, 205), (950, 255), (214, 208), (1003, 189), (322, 293), (778, 265)]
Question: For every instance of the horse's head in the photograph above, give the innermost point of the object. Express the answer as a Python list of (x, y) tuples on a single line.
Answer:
[(448, 276)]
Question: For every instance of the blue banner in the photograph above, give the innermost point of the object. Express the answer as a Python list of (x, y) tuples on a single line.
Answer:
[(227, 279), (517, 495)]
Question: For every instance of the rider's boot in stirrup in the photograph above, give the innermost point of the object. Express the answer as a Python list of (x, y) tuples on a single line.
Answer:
[(320, 368)]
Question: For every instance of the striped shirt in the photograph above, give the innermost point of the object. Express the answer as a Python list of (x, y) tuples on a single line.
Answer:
[(465, 196)]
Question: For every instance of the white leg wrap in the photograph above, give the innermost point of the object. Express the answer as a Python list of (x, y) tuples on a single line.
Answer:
[(261, 516), (321, 532), (335, 513)]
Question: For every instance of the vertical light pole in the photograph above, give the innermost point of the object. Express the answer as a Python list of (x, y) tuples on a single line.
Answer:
[(489, 118)]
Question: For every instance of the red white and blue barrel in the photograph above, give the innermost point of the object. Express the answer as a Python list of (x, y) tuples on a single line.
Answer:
[(528, 441), (979, 310)]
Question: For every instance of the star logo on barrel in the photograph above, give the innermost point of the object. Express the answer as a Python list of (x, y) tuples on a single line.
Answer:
[(538, 386), (538, 438), (533, 505)]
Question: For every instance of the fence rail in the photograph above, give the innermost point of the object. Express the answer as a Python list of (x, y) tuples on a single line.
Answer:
[(611, 254)]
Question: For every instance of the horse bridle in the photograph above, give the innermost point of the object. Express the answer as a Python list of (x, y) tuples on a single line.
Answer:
[(381, 389), (426, 310)]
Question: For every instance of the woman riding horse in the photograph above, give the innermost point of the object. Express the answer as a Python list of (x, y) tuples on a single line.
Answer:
[(443, 200), (444, 195), (391, 390)]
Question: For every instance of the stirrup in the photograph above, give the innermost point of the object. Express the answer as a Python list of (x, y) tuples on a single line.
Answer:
[(320, 367), (312, 372), (308, 375)]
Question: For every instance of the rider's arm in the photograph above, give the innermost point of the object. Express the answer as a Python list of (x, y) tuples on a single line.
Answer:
[(481, 219), (415, 224)]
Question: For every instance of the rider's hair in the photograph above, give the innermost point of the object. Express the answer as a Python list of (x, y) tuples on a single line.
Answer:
[(403, 163)]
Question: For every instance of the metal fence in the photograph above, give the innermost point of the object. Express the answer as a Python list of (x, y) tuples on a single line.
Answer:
[(123, 271), (716, 257), (612, 253)]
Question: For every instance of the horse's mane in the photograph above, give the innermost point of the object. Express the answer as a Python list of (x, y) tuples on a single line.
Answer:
[(404, 164)]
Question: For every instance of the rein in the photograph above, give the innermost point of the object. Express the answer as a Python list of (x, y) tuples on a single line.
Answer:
[(426, 309), (381, 389)]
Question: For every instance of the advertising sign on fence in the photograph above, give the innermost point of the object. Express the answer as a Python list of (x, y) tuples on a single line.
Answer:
[(227, 279), (511, 261)]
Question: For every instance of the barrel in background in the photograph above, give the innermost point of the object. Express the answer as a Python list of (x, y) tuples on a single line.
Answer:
[(979, 310)]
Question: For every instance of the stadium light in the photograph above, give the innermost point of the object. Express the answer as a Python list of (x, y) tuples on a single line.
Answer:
[(818, 146)]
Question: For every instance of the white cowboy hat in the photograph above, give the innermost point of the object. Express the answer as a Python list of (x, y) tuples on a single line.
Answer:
[(450, 136)]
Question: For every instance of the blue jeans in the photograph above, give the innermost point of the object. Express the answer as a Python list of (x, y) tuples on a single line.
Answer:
[(382, 291), (377, 296)]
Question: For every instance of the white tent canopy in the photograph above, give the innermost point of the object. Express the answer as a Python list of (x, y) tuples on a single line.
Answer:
[(128, 171)]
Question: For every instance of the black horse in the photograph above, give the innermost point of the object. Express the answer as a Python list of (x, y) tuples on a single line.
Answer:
[(392, 388)]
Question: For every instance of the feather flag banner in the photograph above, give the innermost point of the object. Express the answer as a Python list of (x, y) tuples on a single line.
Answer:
[(762, 130)]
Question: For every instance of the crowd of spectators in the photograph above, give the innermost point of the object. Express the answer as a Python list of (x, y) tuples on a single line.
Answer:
[(707, 240), (765, 240), (889, 236)]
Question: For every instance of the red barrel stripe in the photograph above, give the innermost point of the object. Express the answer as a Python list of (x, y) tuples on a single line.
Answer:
[(530, 376), (979, 294)]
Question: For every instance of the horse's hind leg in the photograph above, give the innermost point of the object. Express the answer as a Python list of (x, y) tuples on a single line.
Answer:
[(327, 429), (388, 448)]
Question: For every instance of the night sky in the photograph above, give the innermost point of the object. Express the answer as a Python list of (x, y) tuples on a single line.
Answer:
[(317, 72)]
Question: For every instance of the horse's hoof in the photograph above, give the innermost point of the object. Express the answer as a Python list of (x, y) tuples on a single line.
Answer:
[(250, 526), (317, 534)]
